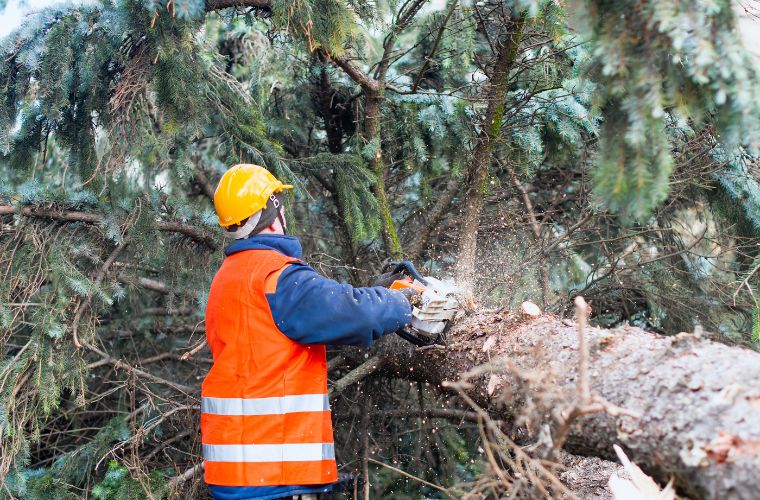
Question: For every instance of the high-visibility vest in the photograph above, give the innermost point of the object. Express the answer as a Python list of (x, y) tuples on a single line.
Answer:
[(265, 416)]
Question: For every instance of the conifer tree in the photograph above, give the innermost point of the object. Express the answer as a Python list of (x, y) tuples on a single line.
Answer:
[(534, 156)]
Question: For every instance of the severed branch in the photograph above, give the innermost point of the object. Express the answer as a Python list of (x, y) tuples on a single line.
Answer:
[(365, 369), (151, 284), (195, 350), (185, 476)]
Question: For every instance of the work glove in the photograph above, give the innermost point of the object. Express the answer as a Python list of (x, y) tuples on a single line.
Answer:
[(385, 280), (411, 296)]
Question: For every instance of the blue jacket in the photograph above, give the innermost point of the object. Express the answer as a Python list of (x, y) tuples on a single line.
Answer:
[(312, 309)]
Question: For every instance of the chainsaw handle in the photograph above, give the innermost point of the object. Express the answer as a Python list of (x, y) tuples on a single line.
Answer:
[(406, 268)]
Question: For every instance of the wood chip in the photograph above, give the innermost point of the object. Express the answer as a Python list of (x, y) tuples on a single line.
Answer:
[(489, 343), (530, 310), (493, 383)]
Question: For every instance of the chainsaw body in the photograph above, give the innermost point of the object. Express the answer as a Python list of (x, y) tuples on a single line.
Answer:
[(440, 303)]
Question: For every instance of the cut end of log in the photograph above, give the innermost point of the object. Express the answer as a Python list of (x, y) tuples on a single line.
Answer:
[(530, 310), (489, 343), (494, 382)]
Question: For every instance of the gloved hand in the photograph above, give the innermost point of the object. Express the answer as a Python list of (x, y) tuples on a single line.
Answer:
[(411, 296), (385, 280)]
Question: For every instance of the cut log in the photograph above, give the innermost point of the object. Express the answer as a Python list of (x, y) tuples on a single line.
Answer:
[(698, 401)]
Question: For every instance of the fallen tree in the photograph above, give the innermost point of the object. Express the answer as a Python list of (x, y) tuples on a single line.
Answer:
[(688, 404)]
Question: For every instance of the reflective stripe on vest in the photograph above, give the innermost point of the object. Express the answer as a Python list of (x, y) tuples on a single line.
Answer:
[(268, 452), (265, 406)]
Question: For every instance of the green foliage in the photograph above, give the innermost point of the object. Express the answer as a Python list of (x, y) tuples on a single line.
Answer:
[(353, 185), (64, 478), (118, 484), (117, 120), (742, 188), (325, 24), (666, 58)]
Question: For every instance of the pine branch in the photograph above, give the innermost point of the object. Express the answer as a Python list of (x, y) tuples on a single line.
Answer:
[(212, 5), (405, 18), (75, 216), (107, 359), (354, 72), (98, 280), (434, 49), (203, 181)]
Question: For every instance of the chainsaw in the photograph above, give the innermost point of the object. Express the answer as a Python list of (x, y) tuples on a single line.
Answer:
[(439, 305)]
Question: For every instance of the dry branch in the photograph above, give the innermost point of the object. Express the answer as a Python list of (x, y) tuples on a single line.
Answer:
[(357, 374)]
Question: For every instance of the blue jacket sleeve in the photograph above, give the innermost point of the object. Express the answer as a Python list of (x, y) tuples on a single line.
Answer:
[(312, 309)]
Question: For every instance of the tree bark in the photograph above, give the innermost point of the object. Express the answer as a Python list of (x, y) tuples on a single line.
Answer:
[(475, 176), (696, 400), (372, 135)]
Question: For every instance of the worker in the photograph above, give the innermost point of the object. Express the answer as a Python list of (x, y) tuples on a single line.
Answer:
[(266, 428)]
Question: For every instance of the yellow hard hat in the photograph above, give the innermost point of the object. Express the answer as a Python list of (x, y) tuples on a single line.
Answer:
[(243, 191)]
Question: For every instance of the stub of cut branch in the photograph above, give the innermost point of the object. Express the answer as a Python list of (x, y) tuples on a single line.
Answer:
[(581, 316), (365, 369), (530, 310)]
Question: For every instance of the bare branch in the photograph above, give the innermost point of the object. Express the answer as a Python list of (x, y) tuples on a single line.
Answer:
[(365, 369), (212, 5)]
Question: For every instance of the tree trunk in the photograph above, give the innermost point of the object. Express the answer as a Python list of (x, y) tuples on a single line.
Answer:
[(372, 135), (475, 176), (697, 401)]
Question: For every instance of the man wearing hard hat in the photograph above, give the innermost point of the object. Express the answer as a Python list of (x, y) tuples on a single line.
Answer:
[(265, 416)]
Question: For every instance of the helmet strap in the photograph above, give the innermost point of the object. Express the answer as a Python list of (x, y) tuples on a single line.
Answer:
[(282, 221)]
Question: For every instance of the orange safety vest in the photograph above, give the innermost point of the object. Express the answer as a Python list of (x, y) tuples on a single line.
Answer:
[(265, 416)]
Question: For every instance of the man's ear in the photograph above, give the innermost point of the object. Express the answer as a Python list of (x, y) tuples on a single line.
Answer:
[(271, 227)]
